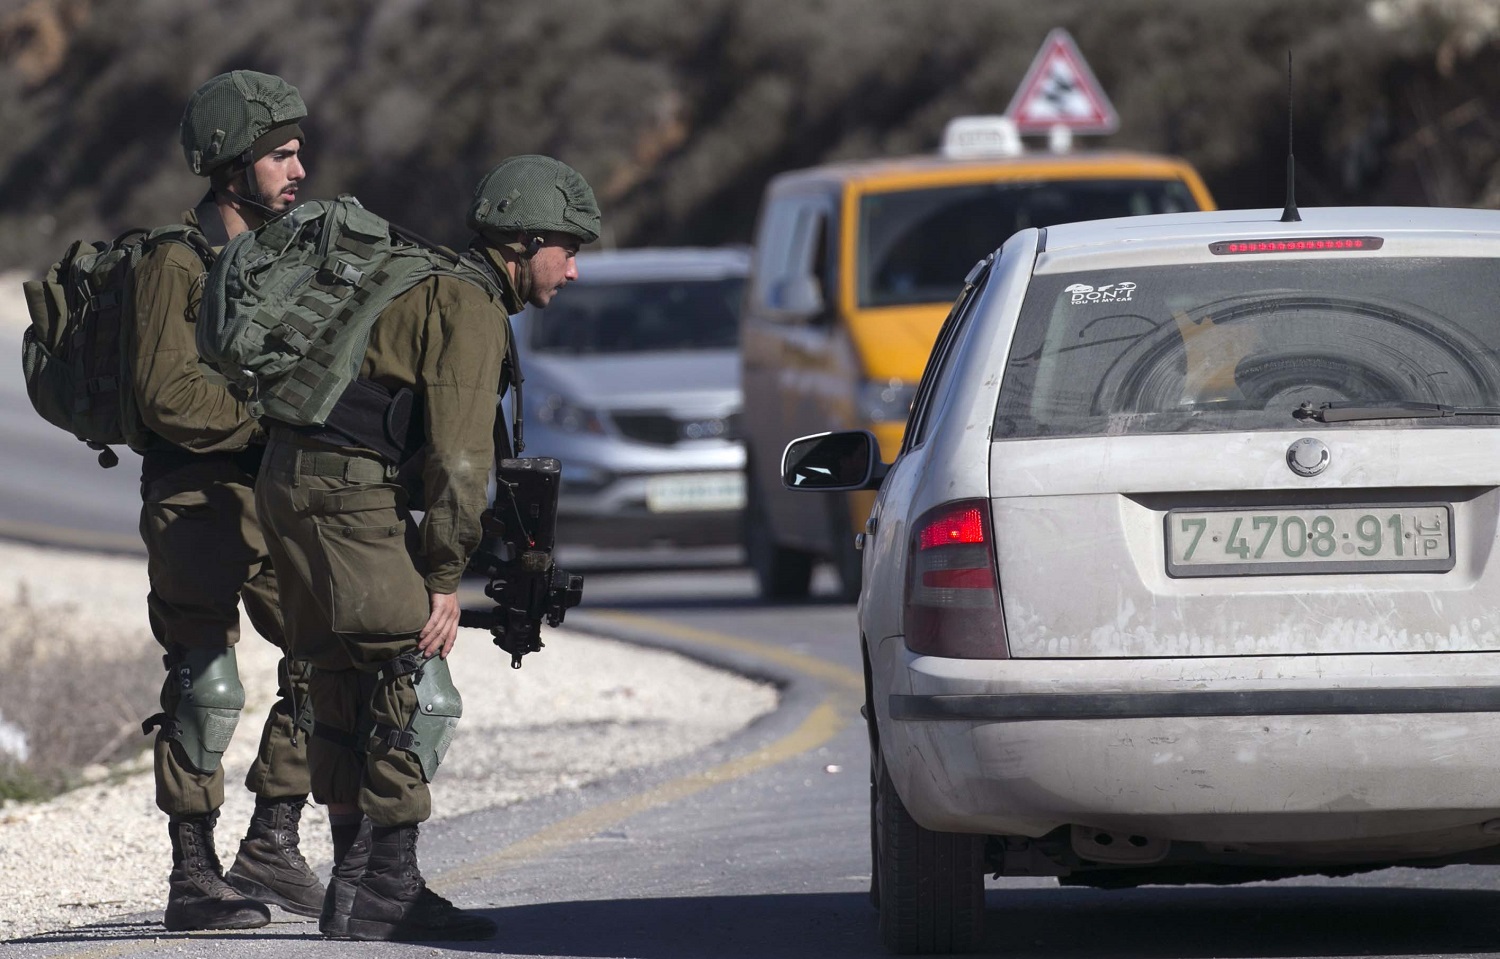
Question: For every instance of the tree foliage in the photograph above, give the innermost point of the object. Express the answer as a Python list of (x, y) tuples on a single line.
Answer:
[(678, 111)]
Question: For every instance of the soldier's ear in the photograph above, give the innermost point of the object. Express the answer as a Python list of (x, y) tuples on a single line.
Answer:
[(533, 244)]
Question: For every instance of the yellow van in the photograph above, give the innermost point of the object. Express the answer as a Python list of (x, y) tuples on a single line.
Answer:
[(855, 267)]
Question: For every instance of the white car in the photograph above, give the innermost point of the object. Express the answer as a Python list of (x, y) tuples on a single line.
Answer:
[(1187, 568)]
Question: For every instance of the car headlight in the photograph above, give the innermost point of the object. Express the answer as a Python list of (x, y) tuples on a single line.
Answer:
[(557, 412), (886, 401)]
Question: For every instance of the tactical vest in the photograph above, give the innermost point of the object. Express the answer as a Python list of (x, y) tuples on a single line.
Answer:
[(288, 307), (75, 355)]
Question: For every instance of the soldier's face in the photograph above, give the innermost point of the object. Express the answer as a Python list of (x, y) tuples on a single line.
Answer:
[(279, 173), (553, 267)]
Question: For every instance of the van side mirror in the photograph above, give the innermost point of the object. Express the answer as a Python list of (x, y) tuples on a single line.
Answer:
[(798, 297), (831, 462)]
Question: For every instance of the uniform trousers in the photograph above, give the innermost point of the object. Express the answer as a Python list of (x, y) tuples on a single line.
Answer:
[(346, 546), (205, 554)]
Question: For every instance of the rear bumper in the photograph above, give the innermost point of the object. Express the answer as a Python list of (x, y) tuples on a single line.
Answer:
[(1340, 756), (618, 515), (1014, 707)]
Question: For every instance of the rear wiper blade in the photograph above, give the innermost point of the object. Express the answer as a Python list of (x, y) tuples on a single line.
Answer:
[(1396, 410)]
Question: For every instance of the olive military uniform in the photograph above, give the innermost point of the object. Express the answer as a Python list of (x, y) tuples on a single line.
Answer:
[(203, 542), (355, 569)]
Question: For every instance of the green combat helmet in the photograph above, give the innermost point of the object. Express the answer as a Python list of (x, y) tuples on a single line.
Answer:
[(533, 194), (238, 117)]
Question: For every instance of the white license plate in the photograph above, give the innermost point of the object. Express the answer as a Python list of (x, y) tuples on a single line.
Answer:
[(695, 492), (1377, 539)]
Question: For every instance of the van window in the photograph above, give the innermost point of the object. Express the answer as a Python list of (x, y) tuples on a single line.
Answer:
[(796, 250), (916, 245), (773, 248)]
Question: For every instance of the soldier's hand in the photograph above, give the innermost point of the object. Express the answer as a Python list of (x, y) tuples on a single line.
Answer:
[(441, 632)]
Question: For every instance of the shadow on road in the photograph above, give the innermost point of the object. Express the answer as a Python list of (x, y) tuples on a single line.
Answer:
[(1154, 923)]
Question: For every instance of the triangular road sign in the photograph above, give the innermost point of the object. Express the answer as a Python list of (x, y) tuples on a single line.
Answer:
[(1060, 91)]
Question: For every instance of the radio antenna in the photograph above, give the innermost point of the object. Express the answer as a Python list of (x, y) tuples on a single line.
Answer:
[(1290, 214)]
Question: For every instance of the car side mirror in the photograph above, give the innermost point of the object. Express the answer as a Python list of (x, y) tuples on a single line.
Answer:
[(833, 462), (799, 297)]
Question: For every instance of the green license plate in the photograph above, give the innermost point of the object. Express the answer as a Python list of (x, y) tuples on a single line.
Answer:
[(1333, 539)]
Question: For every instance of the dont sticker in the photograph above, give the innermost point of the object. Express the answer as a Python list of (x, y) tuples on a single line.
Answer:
[(1081, 293)]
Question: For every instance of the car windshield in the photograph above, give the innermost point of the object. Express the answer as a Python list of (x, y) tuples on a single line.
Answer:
[(916, 245), (1241, 344), (638, 317)]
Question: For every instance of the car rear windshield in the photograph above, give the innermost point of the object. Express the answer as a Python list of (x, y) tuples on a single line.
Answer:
[(1240, 344), (667, 315), (915, 246)]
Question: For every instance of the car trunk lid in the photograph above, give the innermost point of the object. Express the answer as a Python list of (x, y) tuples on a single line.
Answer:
[(1092, 538)]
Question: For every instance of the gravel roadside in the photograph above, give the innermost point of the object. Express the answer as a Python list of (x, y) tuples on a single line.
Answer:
[(582, 710)]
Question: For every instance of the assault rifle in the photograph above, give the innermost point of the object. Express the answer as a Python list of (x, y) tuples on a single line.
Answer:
[(516, 554)]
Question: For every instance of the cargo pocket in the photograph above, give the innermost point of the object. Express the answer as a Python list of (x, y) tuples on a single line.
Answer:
[(373, 588), (174, 520), (179, 502)]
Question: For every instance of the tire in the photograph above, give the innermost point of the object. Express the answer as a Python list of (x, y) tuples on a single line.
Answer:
[(780, 572), (930, 885), (847, 561)]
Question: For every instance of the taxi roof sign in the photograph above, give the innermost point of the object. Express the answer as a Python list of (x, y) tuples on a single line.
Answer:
[(1060, 90), (966, 138)]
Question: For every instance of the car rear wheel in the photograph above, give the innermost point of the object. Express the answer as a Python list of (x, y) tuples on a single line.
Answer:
[(780, 572), (929, 886)]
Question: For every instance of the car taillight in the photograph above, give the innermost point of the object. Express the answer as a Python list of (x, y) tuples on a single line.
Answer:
[(952, 592)]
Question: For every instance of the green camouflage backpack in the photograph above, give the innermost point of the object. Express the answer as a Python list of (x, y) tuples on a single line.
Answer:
[(75, 353), (288, 307)]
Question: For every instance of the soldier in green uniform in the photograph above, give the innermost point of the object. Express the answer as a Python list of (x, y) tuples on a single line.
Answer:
[(204, 544), (370, 596)]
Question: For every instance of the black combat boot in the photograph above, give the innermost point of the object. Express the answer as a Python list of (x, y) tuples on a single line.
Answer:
[(334, 920), (392, 900), (198, 897), (270, 866)]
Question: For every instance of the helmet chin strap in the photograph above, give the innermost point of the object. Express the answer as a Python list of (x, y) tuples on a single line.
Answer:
[(525, 250), (253, 197), (523, 279)]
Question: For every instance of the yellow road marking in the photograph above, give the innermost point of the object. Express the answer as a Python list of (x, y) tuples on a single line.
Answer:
[(799, 662), (818, 728), (821, 725)]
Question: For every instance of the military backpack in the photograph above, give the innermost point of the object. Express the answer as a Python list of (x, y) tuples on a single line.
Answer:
[(75, 355), (288, 307)]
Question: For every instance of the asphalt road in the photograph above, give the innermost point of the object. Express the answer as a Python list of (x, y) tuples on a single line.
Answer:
[(52, 489), (756, 848)]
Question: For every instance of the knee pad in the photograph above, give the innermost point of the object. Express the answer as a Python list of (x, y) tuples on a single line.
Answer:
[(209, 700), (430, 728)]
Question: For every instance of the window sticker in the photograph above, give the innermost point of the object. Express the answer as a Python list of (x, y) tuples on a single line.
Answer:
[(1081, 294)]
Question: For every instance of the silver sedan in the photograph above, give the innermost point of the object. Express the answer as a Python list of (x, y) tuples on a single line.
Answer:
[(1187, 569), (632, 381)]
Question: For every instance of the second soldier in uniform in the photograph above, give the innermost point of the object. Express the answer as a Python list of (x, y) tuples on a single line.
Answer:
[(372, 600)]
